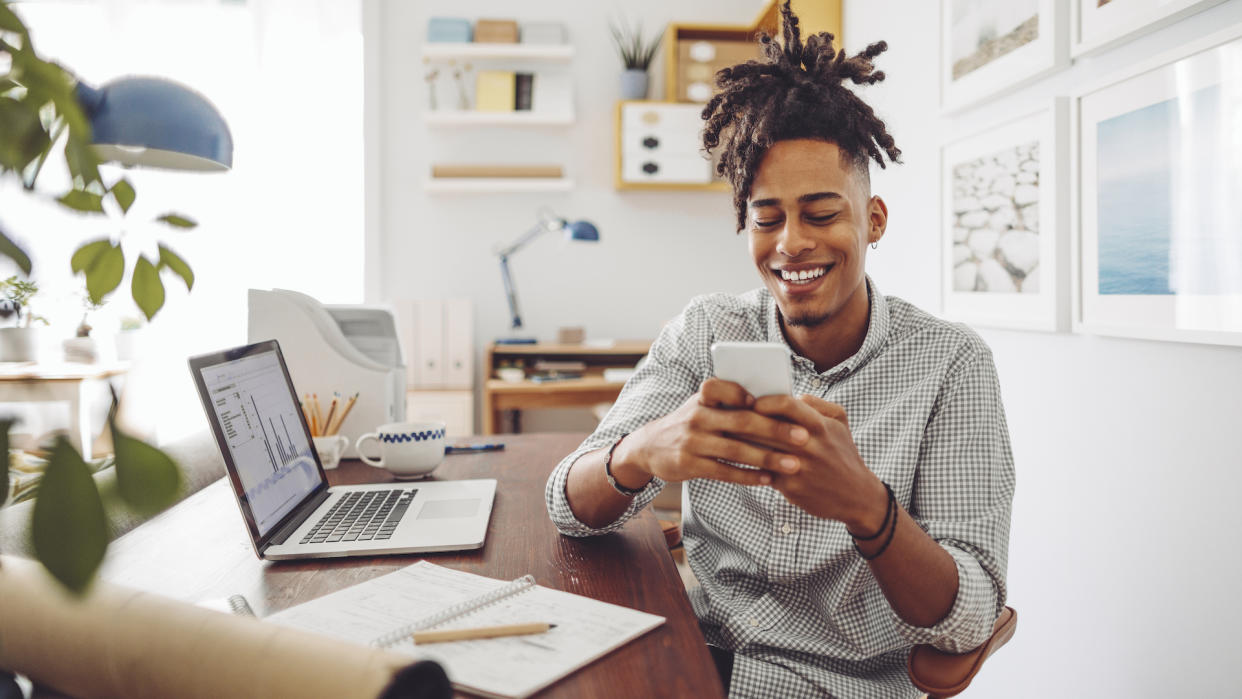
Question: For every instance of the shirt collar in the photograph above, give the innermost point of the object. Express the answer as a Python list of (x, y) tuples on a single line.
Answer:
[(877, 332)]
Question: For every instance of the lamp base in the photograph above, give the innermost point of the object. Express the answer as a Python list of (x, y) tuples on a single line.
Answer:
[(516, 341)]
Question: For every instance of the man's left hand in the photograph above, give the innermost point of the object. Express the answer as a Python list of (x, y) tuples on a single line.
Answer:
[(827, 476)]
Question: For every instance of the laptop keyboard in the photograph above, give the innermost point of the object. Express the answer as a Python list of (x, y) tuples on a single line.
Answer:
[(362, 516)]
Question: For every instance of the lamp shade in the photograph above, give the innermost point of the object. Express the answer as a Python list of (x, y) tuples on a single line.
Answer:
[(581, 230), (153, 122)]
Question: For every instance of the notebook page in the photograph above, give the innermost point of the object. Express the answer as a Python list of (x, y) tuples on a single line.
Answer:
[(365, 611), (519, 666)]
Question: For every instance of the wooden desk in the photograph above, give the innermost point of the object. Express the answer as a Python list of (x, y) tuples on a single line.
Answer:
[(63, 382), (591, 389), (199, 550)]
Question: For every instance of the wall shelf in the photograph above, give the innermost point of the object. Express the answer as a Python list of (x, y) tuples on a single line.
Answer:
[(514, 52), (462, 117), (498, 184)]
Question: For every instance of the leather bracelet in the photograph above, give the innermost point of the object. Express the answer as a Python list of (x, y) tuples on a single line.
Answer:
[(628, 492), (890, 525), (888, 511)]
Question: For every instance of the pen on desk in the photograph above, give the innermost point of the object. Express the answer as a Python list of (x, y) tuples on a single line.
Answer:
[(482, 632), (472, 448)]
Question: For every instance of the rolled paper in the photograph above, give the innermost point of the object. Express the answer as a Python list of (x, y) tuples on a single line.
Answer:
[(115, 642)]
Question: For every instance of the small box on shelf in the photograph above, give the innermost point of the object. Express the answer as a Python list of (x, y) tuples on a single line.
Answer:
[(449, 30), (496, 31)]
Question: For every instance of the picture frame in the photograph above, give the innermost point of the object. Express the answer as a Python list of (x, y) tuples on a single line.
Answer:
[(1099, 24), (988, 47), (1157, 216), (1005, 223)]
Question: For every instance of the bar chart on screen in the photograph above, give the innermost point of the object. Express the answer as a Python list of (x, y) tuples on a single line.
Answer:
[(262, 426)]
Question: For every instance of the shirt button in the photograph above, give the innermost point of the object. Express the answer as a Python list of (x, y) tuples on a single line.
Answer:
[(787, 528), (754, 621)]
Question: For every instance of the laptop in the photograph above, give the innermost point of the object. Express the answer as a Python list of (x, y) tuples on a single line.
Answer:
[(290, 510)]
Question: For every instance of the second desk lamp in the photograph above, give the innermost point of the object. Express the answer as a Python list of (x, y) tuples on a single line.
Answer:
[(548, 222)]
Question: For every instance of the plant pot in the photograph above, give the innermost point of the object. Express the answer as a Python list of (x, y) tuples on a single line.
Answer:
[(634, 84), (19, 344)]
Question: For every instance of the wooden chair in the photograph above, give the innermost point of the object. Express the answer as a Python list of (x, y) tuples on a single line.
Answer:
[(944, 675)]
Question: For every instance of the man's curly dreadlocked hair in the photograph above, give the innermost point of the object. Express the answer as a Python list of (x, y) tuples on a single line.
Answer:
[(796, 91)]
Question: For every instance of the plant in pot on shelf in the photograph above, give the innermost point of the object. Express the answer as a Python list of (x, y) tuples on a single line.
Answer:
[(636, 55), (19, 343)]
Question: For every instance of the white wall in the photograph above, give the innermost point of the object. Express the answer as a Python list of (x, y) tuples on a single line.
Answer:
[(1124, 563), (657, 249)]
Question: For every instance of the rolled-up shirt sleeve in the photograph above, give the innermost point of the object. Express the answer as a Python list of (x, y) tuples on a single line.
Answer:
[(962, 497), (669, 375)]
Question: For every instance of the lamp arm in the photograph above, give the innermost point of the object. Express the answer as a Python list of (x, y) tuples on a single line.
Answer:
[(540, 228), (510, 292)]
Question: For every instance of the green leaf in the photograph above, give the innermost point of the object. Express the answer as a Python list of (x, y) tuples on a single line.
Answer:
[(105, 273), (7, 84), (11, 250), (81, 159), (4, 468), (10, 21), (147, 288), (88, 202), (123, 193), (68, 527), (147, 479), (24, 136), (171, 260), (177, 221), (84, 257)]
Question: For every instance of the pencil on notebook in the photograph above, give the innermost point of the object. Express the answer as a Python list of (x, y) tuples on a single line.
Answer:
[(485, 632)]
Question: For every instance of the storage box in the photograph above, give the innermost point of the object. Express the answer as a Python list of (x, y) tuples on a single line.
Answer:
[(543, 33), (494, 91), (448, 30), (496, 31)]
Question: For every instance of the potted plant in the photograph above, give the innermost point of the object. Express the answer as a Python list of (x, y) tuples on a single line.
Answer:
[(19, 343), (636, 56)]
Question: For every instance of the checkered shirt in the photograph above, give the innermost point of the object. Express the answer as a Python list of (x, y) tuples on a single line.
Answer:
[(786, 590)]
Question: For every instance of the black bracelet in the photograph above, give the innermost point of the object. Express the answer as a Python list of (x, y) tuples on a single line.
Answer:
[(888, 511), (892, 530), (628, 492)]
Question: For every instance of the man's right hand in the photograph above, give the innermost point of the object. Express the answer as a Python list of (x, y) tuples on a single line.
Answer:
[(715, 423)]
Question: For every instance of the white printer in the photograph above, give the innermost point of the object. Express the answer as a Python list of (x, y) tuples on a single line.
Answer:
[(345, 349)]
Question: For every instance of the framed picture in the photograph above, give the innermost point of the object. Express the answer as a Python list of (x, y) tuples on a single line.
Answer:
[(1005, 229), (1159, 215), (1098, 24), (988, 47)]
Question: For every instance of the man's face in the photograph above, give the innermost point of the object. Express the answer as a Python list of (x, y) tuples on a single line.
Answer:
[(810, 218)]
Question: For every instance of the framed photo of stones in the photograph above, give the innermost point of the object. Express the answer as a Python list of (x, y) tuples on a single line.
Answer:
[(1005, 229), (987, 47), (1098, 24), (1159, 214)]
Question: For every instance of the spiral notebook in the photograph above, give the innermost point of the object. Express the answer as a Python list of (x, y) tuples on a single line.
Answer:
[(384, 611)]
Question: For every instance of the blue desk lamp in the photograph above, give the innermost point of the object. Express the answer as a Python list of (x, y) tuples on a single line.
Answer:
[(548, 222), (154, 122)]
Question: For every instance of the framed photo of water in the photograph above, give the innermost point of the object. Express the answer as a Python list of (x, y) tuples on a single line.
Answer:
[(1005, 223), (1160, 208), (988, 47)]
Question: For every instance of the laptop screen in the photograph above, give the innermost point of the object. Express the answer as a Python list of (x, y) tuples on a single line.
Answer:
[(260, 421)]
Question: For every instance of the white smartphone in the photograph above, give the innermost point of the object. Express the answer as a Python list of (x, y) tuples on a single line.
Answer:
[(762, 368)]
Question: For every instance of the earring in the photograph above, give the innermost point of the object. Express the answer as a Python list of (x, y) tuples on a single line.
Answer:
[(875, 245)]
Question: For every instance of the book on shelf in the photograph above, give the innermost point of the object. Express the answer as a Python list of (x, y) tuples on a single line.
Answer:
[(385, 612), (495, 91), (450, 171), (560, 365), (524, 89)]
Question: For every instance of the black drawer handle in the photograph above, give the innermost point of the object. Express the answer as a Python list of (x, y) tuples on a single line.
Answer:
[(651, 142), (651, 168)]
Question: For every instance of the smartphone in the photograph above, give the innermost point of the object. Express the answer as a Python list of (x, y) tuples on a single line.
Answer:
[(762, 368)]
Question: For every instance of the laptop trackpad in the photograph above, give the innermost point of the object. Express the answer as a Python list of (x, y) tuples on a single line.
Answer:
[(448, 509)]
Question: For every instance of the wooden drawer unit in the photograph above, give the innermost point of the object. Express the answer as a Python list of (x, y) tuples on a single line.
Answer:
[(659, 143)]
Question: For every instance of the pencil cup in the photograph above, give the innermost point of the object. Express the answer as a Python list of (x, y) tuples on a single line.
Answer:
[(407, 449), (330, 449)]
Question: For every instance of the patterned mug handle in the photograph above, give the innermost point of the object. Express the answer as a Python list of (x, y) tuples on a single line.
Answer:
[(358, 447)]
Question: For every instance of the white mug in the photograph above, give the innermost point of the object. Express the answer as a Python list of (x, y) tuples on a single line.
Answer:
[(407, 449), (330, 449)]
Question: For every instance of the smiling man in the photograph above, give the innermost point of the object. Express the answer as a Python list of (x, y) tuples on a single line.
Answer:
[(833, 529)]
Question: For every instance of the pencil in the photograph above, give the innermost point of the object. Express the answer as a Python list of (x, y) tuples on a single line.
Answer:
[(483, 632), (317, 411), (344, 414), (327, 421)]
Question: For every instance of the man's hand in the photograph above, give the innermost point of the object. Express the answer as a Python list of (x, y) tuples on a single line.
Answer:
[(715, 423), (830, 479)]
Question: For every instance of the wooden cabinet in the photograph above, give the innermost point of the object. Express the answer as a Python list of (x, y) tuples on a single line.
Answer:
[(658, 146)]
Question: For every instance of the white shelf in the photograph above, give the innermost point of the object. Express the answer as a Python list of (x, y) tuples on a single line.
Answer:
[(498, 184), (533, 52), (460, 117)]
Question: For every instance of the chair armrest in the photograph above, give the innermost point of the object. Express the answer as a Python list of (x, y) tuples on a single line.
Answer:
[(943, 674)]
